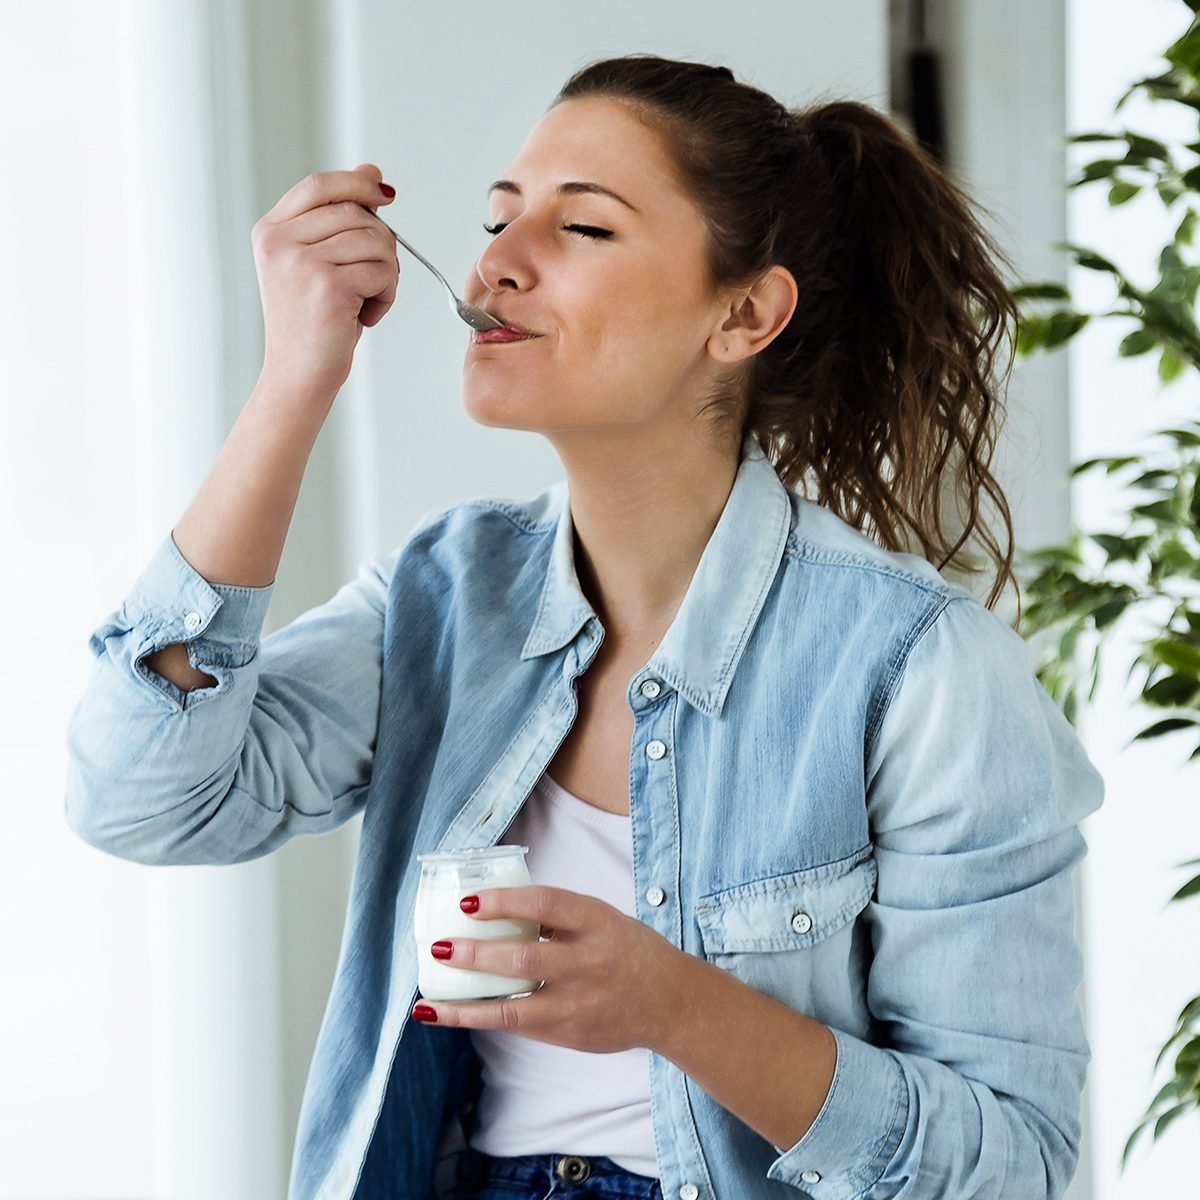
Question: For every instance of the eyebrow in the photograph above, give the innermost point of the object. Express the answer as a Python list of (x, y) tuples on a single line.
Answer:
[(573, 187)]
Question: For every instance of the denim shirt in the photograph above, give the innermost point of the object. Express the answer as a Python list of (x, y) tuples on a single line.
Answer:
[(847, 788)]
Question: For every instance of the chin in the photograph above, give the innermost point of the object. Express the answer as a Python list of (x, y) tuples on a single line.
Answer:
[(498, 411)]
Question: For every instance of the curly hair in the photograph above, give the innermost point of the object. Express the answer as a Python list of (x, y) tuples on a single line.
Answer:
[(882, 390)]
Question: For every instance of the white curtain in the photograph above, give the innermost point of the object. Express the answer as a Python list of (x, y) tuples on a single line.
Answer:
[(142, 1017)]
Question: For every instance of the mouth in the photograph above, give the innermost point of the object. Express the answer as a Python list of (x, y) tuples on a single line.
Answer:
[(506, 333)]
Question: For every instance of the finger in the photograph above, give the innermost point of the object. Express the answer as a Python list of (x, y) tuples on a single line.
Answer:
[(318, 224), (356, 245), (513, 960), (515, 1016), (556, 907), (329, 187)]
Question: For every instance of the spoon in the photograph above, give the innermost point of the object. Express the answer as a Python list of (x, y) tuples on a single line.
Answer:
[(471, 313)]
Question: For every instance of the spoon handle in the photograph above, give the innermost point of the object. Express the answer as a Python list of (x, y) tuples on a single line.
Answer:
[(415, 253)]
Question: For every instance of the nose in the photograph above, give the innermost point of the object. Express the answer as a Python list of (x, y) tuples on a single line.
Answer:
[(503, 266)]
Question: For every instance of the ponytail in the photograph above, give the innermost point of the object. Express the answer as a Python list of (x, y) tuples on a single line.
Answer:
[(881, 394)]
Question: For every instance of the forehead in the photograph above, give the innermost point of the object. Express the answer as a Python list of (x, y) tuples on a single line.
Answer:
[(599, 139)]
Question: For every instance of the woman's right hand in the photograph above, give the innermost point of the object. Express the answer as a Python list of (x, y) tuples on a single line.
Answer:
[(326, 269)]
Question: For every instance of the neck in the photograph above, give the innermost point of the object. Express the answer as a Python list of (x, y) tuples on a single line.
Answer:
[(643, 509)]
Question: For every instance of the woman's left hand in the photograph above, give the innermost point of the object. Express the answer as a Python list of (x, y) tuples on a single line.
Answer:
[(607, 976)]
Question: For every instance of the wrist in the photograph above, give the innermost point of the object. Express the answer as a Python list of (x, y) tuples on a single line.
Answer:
[(685, 990), (278, 391)]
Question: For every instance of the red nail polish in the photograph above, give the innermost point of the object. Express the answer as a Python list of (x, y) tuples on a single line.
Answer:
[(424, 1013), (442, 949), (387, 190), (469, 904)]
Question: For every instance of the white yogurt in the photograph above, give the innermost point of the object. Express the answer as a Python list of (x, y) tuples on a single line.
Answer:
[(447, 877)]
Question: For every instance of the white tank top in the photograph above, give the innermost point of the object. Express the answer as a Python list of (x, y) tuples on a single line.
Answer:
[(539, 1098)]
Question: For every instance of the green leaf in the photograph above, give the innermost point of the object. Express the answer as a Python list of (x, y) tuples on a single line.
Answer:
[(1168, 192), (1108, 612), (1187, 227), (1149, 480), (1089, 463), (1095, 262), (1160, 1126), (1179, 656), (1040, 291), (1162, 512), (1117, 548), (1170, 725), (1139, 1129), (1191, 888), (1121, 192), (1061, 326), (1137, 342), (1100, 168), (1172, 691), (1145, 147), (1170, 366), (1185, 53), (1182, 437)]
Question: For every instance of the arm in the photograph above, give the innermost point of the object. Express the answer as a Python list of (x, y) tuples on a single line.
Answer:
[(282, 745), (976, 785)]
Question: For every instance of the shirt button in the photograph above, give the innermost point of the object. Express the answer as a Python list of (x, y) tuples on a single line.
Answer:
[(689, 1191), (650, 689), (191, 622), (656, 750), (802, 923), (811, 1176), (655, 895)]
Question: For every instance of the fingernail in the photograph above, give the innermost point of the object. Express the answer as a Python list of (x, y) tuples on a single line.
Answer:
[(469, 904), (442, 949), (424, 1013), (387, 190)]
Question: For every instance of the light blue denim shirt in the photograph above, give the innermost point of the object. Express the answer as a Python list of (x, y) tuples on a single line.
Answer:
[(844, 777)]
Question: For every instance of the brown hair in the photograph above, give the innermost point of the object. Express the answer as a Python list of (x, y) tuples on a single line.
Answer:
[(881, 385)]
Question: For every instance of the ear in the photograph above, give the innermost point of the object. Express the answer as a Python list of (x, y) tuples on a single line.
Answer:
[(755, 316)]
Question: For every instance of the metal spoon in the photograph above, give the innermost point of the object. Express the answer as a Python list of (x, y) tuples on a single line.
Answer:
[(471, 313)]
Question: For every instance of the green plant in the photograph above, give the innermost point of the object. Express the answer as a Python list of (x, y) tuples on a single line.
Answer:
[(1077, 594)]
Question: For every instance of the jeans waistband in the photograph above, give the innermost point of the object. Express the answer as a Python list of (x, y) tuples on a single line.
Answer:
[(558, 1175)]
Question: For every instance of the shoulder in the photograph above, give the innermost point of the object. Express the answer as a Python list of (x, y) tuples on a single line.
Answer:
[(819, 538), (501, 532)]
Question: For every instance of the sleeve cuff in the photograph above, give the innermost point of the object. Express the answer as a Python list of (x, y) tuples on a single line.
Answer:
[(171, 602), (858, 1130)]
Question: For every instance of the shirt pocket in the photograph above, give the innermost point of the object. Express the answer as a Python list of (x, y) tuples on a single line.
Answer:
[(794, 936)]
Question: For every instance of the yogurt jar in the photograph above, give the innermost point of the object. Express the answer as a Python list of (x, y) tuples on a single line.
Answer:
[(446, 877)]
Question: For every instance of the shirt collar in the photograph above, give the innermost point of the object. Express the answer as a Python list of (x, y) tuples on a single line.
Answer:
[(701, 649)]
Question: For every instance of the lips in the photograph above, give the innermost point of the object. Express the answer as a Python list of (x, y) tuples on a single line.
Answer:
[(512, 326), (501, 335)]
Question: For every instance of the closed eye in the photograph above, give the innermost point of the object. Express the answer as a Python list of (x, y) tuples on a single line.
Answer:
[(588, 231)]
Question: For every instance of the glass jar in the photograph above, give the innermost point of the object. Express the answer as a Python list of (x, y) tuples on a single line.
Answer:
[(446, 877)]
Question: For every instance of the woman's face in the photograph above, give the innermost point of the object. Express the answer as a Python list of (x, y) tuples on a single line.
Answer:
[(623, 305)]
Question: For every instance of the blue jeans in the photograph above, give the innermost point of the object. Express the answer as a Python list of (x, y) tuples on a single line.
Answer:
[(540, 1176)]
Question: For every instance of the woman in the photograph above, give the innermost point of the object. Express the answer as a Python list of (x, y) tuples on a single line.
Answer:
[(802, 822)]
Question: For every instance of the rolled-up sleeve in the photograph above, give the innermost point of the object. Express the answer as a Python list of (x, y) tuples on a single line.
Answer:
[(976, 785), (281, 745)]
